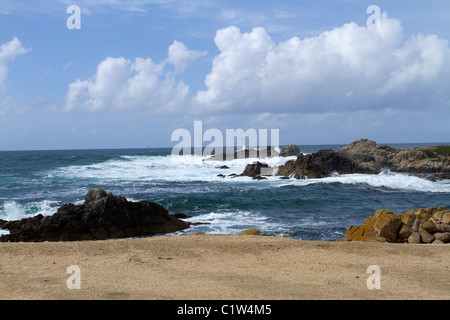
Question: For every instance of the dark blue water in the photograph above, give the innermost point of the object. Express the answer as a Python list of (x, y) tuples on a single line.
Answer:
[(33, 182)]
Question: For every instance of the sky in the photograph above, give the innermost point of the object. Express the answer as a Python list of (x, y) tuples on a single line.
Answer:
[(127, 74)]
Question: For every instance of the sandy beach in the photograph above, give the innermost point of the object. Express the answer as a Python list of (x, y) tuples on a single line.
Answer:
[(232, 267)]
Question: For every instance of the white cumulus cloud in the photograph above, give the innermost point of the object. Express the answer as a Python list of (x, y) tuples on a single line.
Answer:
[(348, 68), (180, 56), (8, 52), (120, 84)]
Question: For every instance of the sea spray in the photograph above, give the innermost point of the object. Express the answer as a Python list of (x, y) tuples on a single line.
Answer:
[(38, 182)]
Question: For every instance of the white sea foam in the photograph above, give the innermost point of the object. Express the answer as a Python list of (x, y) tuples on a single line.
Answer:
[(11, 210), (399, 181), (190, 168), (159, 168), (233, 222)]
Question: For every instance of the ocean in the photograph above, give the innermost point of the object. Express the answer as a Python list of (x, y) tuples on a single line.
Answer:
[(39, 182)]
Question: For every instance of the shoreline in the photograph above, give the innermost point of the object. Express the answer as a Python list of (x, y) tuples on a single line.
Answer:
[(222, 267)]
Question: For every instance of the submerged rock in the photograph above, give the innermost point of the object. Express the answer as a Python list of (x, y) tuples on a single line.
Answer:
[(102, 216), (317, 165), (268, 152)]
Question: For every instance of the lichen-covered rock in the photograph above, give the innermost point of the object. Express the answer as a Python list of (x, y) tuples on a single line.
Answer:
[(366, 156), (414, 226), (251, 232), (414, 238), (425, 236), (404, 233), (430, 226), (442, 236)]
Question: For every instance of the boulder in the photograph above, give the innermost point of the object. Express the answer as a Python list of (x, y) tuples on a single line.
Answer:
[(446, 218), (430, 226), (317, 165), (381, 227), (387, 225), (290, 150), (444, 227), (414, 238), (251, 232), (254, 169), (367, 157), (101, 216), (408, 218), (414, 226), (442, 236), (426, 236), (95, 195), (404, 233)]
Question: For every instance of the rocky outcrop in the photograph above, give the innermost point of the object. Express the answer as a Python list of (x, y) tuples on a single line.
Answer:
[(251, 232), (254, 169), (427, 162), (367, 157), (102, 216), (431, 225), (317, 165), (289, 150)]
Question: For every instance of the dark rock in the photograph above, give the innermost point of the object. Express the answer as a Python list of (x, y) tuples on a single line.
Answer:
[(221, 175), (101, 216), (254, 169), (367, 157), (224, 167), (181, 215), (317, 165), (95, 194), (259, 178), (290, 150)]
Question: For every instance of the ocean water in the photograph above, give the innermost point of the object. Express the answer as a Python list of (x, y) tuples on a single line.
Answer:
[(39, 182)]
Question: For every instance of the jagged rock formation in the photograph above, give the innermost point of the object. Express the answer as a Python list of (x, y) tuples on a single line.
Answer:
[(102, 216), (365, 156), (290, 150)]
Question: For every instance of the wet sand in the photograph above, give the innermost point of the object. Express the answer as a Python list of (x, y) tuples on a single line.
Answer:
[(222, 267)]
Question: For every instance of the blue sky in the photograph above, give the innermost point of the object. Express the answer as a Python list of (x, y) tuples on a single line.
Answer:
[(138, 70)]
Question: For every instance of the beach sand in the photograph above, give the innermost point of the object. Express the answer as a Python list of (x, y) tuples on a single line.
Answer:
[(223, 267)]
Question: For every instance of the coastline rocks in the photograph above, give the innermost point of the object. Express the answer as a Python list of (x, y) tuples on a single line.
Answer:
[(317, 165), (414, 226), (251, 232), (254, 169), (289, 150), (102, 216), (367, 157)]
